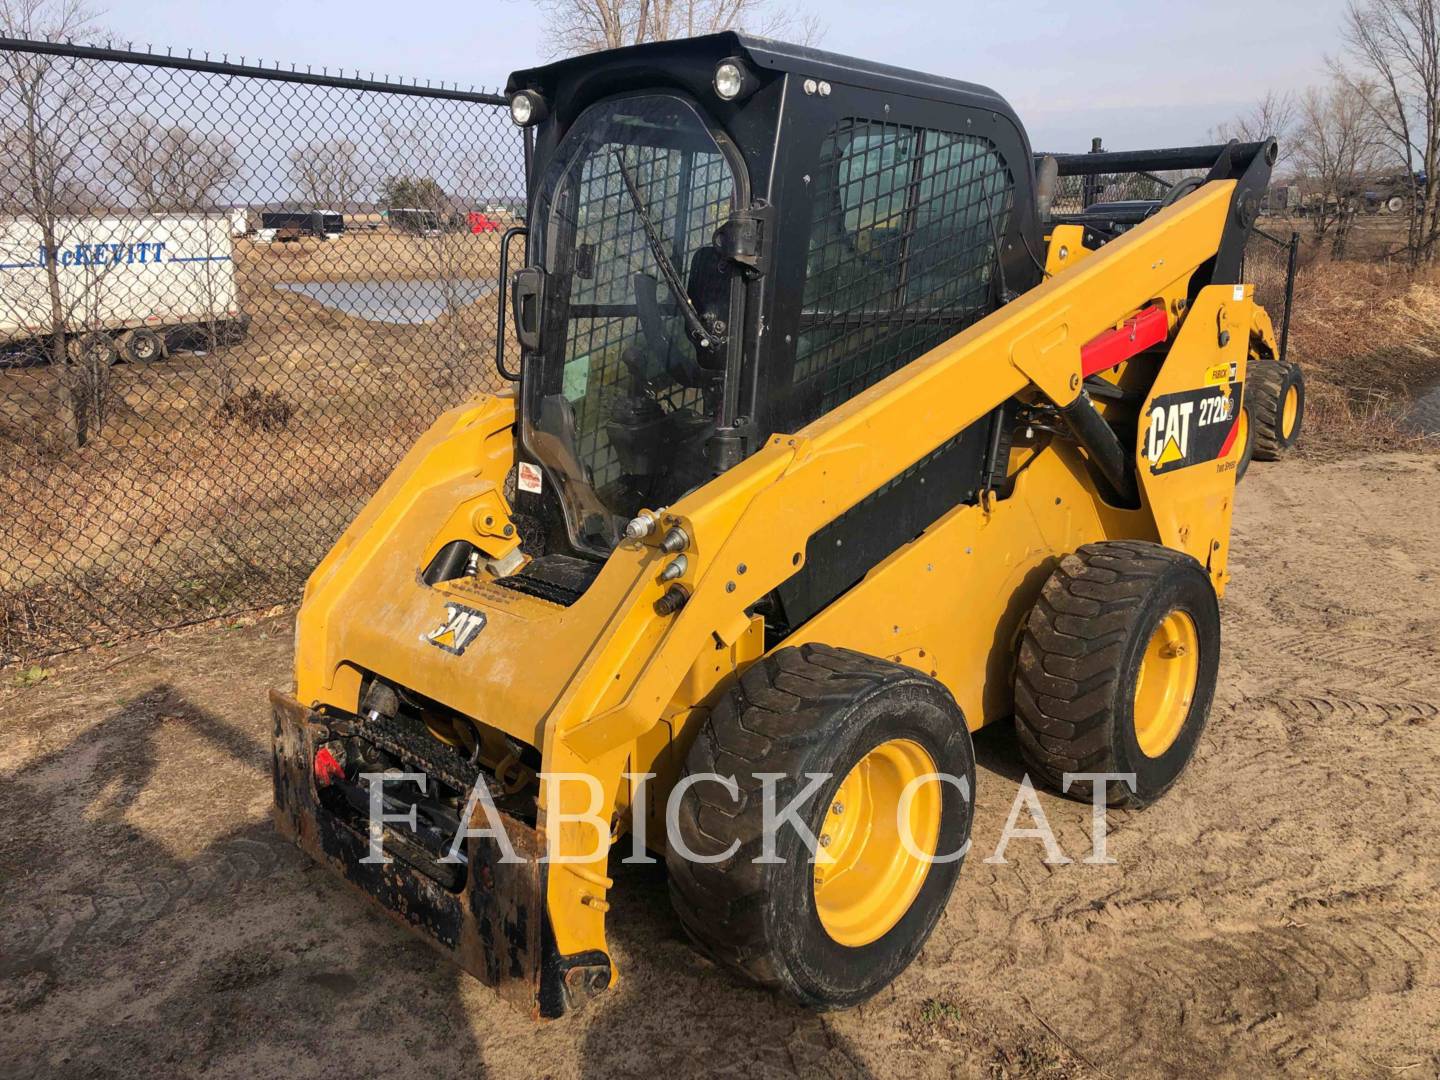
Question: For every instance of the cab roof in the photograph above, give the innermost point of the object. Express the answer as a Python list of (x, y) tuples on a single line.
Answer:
[(764, 54)]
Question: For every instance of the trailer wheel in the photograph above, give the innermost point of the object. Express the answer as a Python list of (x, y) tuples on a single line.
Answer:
[(141, 346), (1117, 668), (833, 925), (95, 349), (1276, 395)]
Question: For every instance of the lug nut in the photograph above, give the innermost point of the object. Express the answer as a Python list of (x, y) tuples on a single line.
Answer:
[(838, 808), (676, 541), (677, 567), (825, 840)]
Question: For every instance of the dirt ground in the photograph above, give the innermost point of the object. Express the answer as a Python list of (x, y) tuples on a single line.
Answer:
[(1276, 913)]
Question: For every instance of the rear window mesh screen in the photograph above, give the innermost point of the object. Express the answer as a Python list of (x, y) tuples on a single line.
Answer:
[(902, 251)]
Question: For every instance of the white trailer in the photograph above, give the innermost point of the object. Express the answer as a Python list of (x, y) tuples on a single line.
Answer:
[(128, 285)]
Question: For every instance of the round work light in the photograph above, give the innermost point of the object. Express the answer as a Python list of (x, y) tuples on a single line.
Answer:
[(527, 107)]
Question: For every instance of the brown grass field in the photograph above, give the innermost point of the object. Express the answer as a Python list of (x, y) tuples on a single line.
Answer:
[(172, 513)]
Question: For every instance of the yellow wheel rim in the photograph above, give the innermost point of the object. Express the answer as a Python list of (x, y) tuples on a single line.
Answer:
[(1289, 411), (1242, 437), (865, 877), (1165, 686)]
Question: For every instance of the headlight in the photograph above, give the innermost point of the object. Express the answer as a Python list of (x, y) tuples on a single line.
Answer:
[(732, 80), (729, 80), (527, 107)]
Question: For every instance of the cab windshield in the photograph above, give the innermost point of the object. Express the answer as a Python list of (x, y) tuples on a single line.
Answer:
[(628, 386)]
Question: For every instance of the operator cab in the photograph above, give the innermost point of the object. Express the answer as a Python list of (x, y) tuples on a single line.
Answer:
[(729, 237)]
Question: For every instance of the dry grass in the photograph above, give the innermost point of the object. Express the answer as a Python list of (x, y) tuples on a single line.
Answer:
[(218, 481), (1368, 337)]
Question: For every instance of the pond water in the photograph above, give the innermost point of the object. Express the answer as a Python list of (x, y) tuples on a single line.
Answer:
[(409, 302), (1423, 417)]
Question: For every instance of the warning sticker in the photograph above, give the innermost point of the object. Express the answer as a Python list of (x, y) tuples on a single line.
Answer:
[(528, 477), (1192, 426)]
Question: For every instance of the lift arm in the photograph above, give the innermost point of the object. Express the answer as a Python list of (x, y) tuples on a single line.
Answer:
[(748, 528)]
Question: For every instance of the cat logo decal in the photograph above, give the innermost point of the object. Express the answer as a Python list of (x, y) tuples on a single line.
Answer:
[(462, 625), (1190, 427)]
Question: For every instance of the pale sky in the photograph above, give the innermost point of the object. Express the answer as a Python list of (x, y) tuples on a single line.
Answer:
[(1140, 73)]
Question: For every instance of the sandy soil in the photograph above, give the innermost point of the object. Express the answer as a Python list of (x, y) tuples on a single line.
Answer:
[(1277, 913)]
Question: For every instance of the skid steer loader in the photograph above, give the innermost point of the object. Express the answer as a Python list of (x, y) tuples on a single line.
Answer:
[(831, 442)]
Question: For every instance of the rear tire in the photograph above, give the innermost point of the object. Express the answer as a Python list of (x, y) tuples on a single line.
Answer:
[(1275, 393), (95, 349), (1096, 690), (141, 346), (815, 709)]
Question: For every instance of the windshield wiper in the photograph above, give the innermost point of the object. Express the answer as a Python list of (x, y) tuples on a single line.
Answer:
[(704, 338)]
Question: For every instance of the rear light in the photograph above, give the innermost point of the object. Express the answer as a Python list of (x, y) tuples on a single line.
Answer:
[(329, 765)]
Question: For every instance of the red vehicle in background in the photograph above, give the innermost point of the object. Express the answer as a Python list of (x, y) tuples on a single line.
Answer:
[(481, 223)]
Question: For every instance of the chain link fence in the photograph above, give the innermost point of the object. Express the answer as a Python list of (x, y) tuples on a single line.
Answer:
[(230, 299)]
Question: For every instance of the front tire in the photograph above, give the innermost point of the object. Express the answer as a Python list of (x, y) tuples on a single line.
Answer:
[(1117, 669), (824, 933)]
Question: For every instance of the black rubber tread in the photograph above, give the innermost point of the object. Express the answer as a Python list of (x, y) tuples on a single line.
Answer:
[(1266, 381), (773, 719), (1072, 671)]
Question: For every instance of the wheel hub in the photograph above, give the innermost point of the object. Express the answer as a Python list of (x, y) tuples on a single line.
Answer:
[(1165, 685), (1289, 411), (866, 877)]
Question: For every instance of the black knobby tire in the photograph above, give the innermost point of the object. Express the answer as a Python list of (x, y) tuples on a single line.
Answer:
[(1079, 660), (1268, 383), (811, 709)]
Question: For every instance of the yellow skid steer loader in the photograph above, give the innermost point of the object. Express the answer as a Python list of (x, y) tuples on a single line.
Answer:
[(832, 441)]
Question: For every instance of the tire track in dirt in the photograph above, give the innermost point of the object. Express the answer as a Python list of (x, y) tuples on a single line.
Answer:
[(1231, 983), (119, 912), (1344, 709)]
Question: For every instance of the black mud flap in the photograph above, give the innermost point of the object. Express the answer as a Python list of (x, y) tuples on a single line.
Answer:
[(496, 926)]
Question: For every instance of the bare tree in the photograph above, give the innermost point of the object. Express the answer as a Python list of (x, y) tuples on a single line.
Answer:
[(1272, 117), (328, 173), (171, 167), (53, 117), (1395, 45), (580, 26), (1337, 143)]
